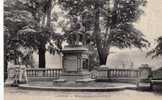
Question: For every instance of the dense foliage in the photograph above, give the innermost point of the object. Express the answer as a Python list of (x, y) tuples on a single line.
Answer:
[(157, 51), (30, 25), (108, 23)]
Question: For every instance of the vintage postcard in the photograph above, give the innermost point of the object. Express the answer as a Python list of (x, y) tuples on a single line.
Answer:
[(82, 49)]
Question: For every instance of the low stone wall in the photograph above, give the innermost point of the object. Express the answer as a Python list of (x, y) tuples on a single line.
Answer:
[(122, 75), (41, 74), (101, 74), (157, 74), (156, 82), (117, 75)]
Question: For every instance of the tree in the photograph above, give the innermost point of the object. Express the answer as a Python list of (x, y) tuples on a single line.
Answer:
[(109, 23), (36, 32), (40, 34), (157, 51), (13, 22)]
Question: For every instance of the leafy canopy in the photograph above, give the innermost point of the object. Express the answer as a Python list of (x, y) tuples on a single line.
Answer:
[(25, 23), (117, 18)]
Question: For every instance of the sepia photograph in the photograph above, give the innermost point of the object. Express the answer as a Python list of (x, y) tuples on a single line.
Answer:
[(82, 49)]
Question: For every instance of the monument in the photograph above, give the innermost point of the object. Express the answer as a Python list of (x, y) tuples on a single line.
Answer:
[(75, 58), (75, 63)]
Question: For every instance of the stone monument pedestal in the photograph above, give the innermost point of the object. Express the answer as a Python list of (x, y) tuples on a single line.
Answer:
[(73, 62)]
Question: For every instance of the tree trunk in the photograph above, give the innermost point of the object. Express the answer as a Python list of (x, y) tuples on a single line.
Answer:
[(102, 48), (41, 52), (103, 54), (48, 12), (97, 32), (42, 48)]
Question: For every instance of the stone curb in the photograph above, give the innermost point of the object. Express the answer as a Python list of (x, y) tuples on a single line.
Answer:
[(88, 89)]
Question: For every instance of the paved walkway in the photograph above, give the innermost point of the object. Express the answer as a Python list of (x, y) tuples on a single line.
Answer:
[(20, 94)]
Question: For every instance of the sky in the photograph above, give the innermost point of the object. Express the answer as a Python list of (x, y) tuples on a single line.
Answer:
[(151, 22)]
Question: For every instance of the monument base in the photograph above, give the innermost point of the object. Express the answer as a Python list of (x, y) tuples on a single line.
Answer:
[(74, 77), (74, 62)]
